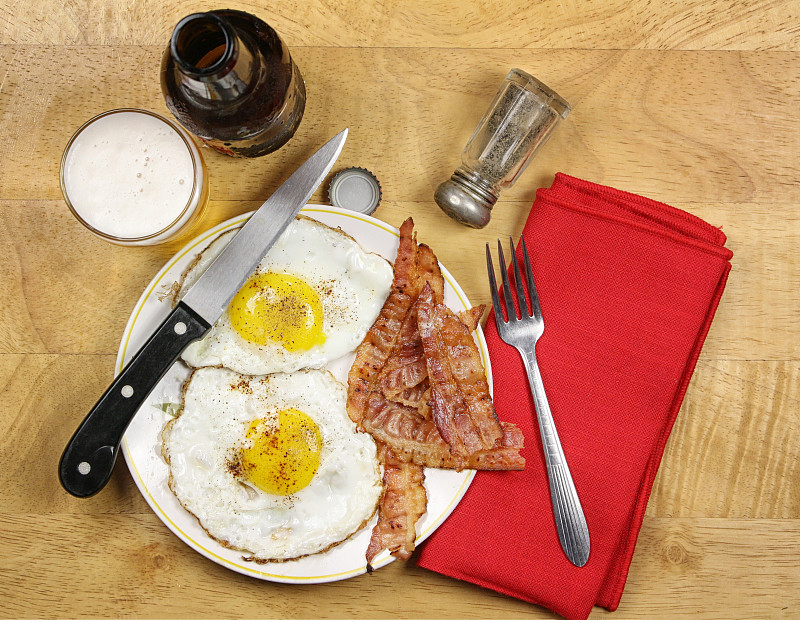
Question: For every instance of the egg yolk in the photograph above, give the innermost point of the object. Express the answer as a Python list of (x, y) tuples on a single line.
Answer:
[(281, 456), (278, 307)]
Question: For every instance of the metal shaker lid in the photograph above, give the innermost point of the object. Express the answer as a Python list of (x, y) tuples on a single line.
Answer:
[(466, 199), (356, 189)]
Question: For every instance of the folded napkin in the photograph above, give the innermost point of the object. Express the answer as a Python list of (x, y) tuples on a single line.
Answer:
[(628, 288)]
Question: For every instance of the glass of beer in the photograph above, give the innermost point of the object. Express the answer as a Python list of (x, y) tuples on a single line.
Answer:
[(133, 177)]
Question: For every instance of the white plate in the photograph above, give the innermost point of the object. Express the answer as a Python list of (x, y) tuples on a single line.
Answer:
[(142, 443)]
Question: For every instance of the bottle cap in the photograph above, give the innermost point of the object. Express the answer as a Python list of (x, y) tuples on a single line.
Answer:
[(356, 189)]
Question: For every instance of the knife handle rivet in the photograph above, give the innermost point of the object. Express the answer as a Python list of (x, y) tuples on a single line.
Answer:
[(84, 468), (180, 328), (127, 391)]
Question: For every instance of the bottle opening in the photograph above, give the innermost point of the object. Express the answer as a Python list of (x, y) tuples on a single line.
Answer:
[(202, 44)]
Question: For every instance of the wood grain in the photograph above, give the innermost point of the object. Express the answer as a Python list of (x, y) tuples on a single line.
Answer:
[(693, 103), (45, 255), (643, 120), (640, 24), (677, 562), (733, 450), (138, 549)]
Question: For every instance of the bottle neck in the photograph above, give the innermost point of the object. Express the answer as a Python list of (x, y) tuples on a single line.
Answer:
[(214, 63)]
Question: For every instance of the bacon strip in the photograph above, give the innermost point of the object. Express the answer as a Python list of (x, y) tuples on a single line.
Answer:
[(429, 272), (408, 401), (471, 317), (377, 345), (414, 439), (424, 405), (405, 368), (462, 404), (404, 502), (415, 396), (404, 499), (404, 378), (415, 266)]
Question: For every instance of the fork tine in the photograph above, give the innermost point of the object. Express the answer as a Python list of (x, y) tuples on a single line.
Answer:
[(535, 307), (523, 304), (498, 311), (512, 312)]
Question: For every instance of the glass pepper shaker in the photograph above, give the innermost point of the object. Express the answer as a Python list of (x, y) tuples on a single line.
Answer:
[(518, 122)]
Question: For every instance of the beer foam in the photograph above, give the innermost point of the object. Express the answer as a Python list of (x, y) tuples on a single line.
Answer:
[(129, 174)]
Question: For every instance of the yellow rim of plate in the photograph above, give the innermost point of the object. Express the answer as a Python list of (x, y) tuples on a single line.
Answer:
[(384, 558)]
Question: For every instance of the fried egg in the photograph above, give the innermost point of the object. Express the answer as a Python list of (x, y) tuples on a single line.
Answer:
[(271, 466), (310, 301)]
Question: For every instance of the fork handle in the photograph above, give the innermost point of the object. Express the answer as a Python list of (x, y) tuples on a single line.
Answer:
[(573, 532)]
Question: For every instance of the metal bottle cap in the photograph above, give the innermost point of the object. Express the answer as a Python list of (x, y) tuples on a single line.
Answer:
[(356, 189)]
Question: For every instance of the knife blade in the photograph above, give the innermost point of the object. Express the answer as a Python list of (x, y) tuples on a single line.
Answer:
[(89, 457)]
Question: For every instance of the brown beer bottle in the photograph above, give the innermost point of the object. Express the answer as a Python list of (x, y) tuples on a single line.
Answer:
[(229, 79)]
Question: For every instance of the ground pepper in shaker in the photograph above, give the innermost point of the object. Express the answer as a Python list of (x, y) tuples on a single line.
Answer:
[(518, 122)]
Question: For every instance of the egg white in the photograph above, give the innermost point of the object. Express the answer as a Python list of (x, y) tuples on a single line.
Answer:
[(218, 407), (352, 286)]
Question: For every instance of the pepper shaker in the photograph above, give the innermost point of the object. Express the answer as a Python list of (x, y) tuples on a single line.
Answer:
[(519, 121)]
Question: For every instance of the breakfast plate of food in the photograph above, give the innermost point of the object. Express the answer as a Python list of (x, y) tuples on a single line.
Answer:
[(197, 449)]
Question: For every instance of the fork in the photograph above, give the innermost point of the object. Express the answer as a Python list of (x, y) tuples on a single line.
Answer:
[(522, 332)]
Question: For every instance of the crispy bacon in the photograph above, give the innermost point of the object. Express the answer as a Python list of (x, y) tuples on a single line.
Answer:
[(415, 396), (424, 405), (404, 378), (418, 387), (379, 342), (414, 267), (462, 406), (404, 501), (429, 272), (405, 368), (472, 317), (414, 439)]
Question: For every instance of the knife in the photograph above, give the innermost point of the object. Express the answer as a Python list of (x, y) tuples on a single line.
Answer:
[(89, 457)]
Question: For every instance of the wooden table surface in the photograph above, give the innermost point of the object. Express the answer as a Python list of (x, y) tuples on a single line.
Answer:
[(689, 102)]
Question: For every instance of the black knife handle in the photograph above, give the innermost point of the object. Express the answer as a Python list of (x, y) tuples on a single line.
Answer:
[(89, 457)]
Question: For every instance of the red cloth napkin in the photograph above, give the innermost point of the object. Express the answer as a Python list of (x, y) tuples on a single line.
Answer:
[(628, 288)]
